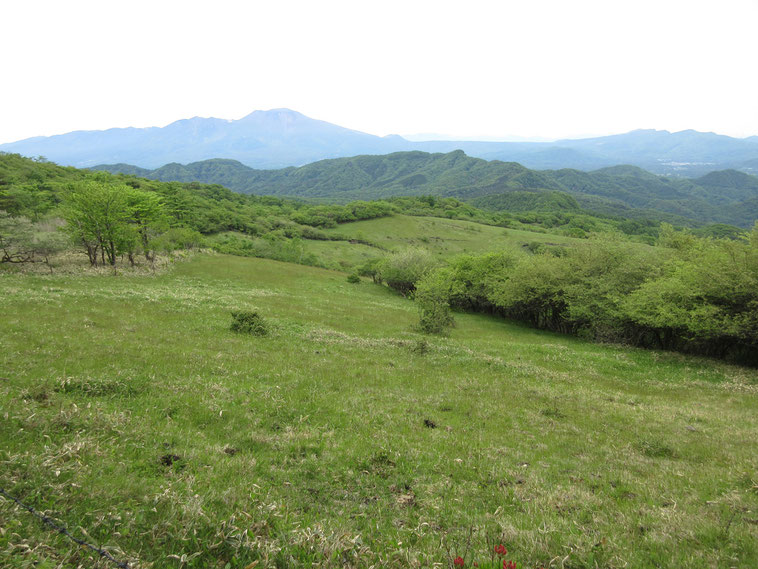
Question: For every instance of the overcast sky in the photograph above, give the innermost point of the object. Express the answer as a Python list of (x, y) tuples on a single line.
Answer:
[(530, 68)]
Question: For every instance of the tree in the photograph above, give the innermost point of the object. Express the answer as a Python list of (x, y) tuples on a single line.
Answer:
[(98, 217), (47, 244), (15, 239), (145, 213)]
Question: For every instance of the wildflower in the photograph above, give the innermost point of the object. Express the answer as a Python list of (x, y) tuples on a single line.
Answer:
[(500, 549), (509, 564), (458, 561)]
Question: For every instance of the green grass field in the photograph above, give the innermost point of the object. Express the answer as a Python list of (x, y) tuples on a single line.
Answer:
[(370, 239), (441, 236), (134, 416)]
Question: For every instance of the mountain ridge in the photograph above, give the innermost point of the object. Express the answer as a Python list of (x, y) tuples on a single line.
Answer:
[(280, 138), (726, 196)]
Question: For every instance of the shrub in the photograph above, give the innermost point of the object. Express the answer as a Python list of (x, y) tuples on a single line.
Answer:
[(249, 323), (433, 300), (402, 270), (371, 269), (353, 278), (177, 238)]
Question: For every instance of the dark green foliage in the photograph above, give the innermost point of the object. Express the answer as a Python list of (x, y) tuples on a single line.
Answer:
[(528, 200), (353, 278), (249, 323), (728, 196)]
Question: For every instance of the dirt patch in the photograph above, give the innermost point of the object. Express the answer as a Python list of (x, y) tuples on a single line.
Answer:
[(169, 459)]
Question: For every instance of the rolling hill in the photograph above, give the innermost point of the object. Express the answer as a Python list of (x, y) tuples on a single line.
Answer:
[(727, 196)]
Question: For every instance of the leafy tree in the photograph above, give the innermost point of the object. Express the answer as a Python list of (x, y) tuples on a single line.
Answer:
[(145, 212), (98, 217), (705, 302), (674, 239)]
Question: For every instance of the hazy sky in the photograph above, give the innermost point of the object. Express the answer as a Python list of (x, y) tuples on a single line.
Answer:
[(552, 68)]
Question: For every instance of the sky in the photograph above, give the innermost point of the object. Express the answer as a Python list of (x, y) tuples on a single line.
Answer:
[(497, 69)]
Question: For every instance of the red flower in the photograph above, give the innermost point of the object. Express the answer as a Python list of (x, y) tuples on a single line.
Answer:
[(509, 564), (500, 549), (458, 561)]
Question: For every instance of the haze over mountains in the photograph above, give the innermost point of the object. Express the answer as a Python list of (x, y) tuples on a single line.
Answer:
[(281, 137)]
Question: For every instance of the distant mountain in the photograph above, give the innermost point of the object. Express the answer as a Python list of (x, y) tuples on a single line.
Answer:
[(663, 151), (281, 137), (271, 139), (727, 196)]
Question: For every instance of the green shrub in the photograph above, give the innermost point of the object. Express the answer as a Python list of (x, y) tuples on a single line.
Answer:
[(353, 278), (402, 270), (178, 238), (371, 269), (432, 297), (249, 323)]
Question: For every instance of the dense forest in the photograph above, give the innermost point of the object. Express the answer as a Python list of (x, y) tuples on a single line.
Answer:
[(727, 196)]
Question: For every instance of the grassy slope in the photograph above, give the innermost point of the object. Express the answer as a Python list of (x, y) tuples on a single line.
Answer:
[(310, 446), (443, 237)]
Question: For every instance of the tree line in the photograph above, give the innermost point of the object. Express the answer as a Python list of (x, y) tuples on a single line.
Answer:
[(689, 294)]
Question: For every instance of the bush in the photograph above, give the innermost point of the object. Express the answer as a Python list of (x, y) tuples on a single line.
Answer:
[(402, 270), (178, 238), (435, 318), (353, 278), (371, 269), (432, 297), (249, 323)]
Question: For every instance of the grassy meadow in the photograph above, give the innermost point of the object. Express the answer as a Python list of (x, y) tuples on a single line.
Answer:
[(360, 241), (131, 414), (443, 237)]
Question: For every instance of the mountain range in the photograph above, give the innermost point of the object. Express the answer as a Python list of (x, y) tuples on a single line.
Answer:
[(281, 137), (727, 196)]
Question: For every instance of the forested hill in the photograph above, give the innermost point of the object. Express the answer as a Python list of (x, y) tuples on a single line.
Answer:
[(727, 196)]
